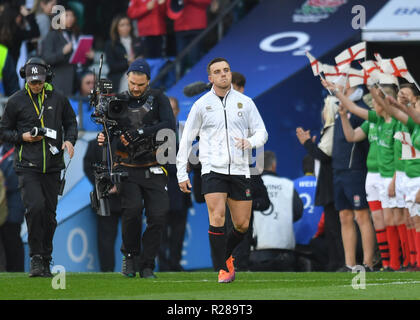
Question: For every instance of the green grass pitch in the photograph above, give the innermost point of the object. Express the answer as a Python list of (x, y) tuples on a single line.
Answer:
[(204, 286)]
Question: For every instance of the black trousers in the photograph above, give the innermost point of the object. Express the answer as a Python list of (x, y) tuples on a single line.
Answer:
[(333, 238), (170, 253), (107, 233), (143, 186), (39, 193), (272, 260), (13, 247)]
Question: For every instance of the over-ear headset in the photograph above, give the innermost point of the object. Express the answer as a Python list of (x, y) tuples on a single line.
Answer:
[(39, 62)]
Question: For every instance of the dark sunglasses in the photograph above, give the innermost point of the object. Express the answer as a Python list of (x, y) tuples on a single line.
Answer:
[(36, 82)]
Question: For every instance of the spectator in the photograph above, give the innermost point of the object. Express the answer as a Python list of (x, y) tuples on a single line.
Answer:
[(151, 25), (43, 12), (57, 49), (324, 195), (306, 227), (9, 83), (98, 16), (274, 240), (191, 22), (170, 252), (17, 24), (81, 106), (120, 51), (215, 9), (10, 230), (107, 226)]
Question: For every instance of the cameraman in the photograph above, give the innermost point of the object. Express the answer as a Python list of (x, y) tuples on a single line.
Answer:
[(149, 111), (39, 158)]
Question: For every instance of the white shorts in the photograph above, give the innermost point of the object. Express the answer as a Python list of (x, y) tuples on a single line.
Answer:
[(372, 186), (412, 186), (386, 201), (400, 188)]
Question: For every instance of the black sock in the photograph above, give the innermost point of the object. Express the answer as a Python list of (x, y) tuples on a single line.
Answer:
[(217, 239), (233, 239)]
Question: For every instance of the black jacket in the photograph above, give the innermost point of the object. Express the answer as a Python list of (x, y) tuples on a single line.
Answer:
[(116, 59), (324, 193), (20, 116), (349, 155), (159, 117)]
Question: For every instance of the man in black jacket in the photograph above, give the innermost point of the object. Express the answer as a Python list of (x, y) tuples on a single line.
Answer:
[(149, 111), (40, 122)]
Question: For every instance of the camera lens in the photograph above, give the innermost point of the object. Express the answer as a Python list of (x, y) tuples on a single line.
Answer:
[(38, 131)]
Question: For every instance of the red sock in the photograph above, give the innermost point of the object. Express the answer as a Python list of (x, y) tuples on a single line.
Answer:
[(412, 245), (418, 246), (382, 241), (402, 232), (394, 247)]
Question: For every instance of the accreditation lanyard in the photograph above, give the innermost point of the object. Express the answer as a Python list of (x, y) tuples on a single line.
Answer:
[(41, 104)]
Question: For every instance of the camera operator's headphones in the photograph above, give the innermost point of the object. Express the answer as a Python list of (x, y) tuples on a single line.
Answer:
[(39, 62)]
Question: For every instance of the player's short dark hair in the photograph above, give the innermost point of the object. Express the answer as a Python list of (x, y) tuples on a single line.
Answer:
[(269, 159), (308, 164), (238, 79), (412, 87), (215, 60)]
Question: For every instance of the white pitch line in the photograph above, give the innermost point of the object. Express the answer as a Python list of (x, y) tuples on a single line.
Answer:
[(387, 283)]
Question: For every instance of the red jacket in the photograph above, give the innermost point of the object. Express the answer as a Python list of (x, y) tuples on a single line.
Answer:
[(194, 16), (149, 22), (321, 226)]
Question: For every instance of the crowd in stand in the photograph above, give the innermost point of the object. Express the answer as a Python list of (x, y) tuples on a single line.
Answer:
[(154, 29)]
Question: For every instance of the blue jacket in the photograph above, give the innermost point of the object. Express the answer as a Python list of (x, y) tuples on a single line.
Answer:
[(349, 155), (15, 206), (306, 227)]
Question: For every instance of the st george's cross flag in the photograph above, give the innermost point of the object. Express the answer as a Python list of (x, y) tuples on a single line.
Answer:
[(315, 64), (355, 52), (332, 73), (359, 77), (408, 151), (397, 67)]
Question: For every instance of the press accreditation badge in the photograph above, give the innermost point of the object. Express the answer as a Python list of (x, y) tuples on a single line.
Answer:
[(156, 170), (51, 133), (53, 149)]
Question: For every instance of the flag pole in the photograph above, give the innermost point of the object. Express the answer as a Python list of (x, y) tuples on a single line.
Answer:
[(322, 77)]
